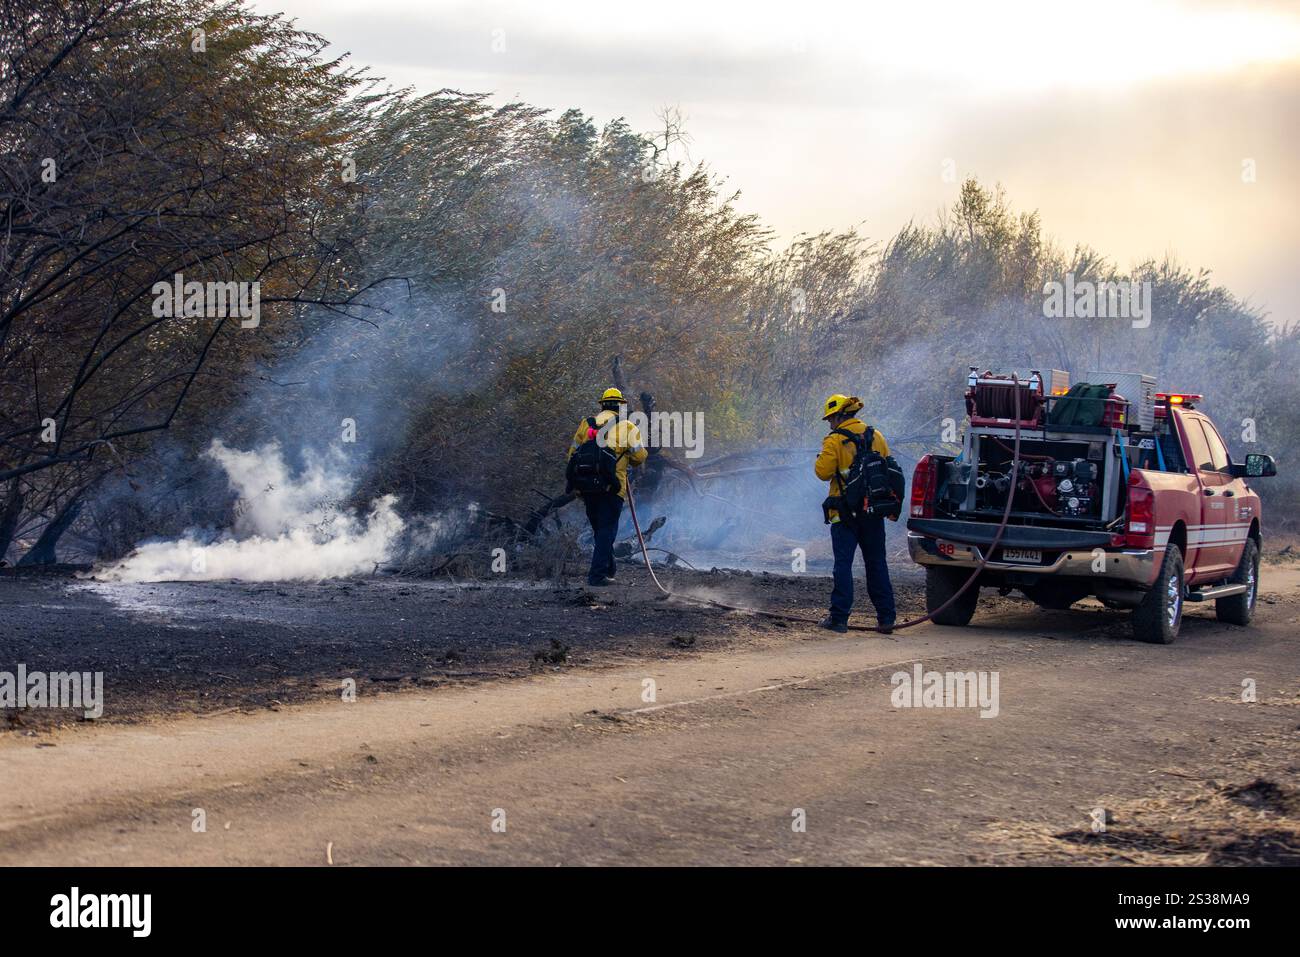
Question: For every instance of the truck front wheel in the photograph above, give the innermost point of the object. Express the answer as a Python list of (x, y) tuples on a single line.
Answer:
[(1239, 609), (940, 585), (1157, 619)]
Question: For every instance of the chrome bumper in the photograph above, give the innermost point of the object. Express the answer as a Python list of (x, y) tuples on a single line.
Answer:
[(1136, 566)]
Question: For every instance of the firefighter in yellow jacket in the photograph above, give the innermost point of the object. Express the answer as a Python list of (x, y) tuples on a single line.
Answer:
[(603, 447), (867, 532)]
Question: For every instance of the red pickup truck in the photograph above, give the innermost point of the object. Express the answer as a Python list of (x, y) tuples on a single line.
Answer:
[(1144, 512)]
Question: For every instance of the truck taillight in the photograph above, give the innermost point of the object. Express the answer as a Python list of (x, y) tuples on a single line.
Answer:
[(1114, 412), (924, 480), (1141, 527)]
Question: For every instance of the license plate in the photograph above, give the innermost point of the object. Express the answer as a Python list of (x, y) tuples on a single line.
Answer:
[(1029, 556)]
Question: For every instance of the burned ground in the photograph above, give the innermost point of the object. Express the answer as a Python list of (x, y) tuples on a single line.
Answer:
[(200, 647), (175, 647), (207, 646)]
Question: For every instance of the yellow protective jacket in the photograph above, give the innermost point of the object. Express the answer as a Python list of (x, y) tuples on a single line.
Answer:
[(837, 455), (622, 437)]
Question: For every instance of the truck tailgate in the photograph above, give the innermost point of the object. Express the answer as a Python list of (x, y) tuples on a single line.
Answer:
[(1016, 536)]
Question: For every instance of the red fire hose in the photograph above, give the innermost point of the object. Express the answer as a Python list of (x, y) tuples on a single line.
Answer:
[(984, 558)]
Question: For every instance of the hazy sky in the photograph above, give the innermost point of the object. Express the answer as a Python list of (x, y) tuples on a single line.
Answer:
[(1130, 125)]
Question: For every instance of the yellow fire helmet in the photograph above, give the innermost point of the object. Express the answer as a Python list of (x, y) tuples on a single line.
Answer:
[(611, 395), (841, 403)]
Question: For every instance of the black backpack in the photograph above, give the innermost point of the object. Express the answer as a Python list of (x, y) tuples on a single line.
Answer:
[(592, 467), (874, 485)]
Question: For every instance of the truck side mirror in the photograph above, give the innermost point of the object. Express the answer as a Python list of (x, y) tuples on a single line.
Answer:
[(1257, 465)]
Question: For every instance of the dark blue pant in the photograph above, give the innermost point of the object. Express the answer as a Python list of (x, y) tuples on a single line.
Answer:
[(603, 511), (846, 539)]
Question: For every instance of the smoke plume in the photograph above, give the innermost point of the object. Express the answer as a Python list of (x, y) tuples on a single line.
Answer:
[(288, 527)]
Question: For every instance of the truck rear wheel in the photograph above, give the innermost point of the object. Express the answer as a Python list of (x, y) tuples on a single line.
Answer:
[(1157, 618), (1239, 609), (940, 585)]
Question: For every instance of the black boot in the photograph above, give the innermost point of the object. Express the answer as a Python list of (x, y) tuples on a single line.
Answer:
[(831, 624)]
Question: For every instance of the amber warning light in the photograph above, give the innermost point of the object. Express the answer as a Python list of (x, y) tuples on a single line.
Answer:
[(1178, 398)]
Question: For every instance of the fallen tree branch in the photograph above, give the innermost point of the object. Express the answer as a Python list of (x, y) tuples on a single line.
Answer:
[(750, 470)]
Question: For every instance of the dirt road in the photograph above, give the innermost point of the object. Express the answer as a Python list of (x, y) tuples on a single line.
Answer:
[(740, 746)]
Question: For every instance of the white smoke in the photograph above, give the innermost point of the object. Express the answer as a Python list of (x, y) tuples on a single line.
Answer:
[(287, 527)]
